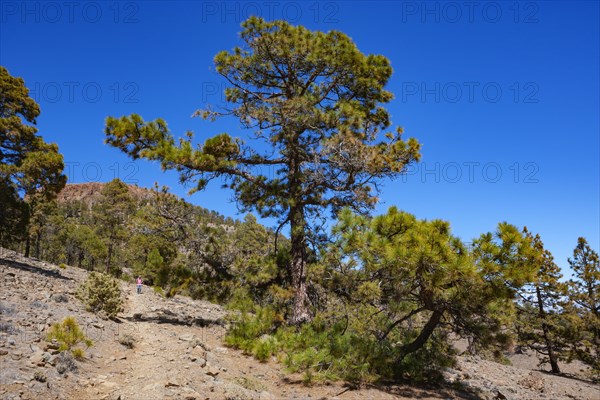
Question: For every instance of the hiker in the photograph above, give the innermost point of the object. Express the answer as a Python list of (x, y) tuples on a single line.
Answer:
[(139, 285)]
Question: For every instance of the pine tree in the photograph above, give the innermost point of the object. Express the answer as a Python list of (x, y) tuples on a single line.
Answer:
[(156, 271), (414, 281), (541, 320), (111, 214), (14, 215), (584, 299), (30, 168), (314, 101)]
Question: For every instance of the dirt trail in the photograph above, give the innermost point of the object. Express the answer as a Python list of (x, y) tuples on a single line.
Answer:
[(158, 366)]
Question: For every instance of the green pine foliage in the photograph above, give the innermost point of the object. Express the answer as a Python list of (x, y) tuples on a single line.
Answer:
[(323, 134), (110, 215), (542, 320), (394, 289), (69, 334), (101, 293), (173, 245), (584, 306), (28, 164)]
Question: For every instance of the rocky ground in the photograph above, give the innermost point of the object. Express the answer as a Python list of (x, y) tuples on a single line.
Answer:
[(177, 353)]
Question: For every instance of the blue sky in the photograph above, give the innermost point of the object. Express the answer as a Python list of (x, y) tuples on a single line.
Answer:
[(503, 96)]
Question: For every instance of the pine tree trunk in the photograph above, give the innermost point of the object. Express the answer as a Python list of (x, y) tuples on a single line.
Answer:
[(301, 312), (27, 245), (109, 257), (38, 241), (546, 332), (420, 341)]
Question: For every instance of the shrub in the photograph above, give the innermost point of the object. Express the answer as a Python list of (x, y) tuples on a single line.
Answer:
[(68, 334), (158, 290), (329, 349), (101, 292), (39, 376), (127, 340), (265, 347), (248, 327), (126, 277), (60, 298), (62, 266), (78, 353)]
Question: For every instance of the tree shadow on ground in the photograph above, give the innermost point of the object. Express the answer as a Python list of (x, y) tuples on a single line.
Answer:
[(403, 390), (36, 270), (426, 391), (174, 319), (567, 375)]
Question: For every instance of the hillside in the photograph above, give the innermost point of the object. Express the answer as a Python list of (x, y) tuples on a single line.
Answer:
[(127, 229), (178, 352), (90, 192)]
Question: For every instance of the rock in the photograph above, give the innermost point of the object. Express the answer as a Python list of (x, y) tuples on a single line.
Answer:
[(53, 345), (534, 381), (200, 361), (188, 337), (198, 351), (38, 358), (212, 371), (500, 395), (172, 383)]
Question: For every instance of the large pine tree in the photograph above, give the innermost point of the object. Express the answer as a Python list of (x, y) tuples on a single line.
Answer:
[(30, 168), (313, 105)]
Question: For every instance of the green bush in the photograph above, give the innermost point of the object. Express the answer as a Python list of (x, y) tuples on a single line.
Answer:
[(328, 349), (158, 290), (101, 292), (126, 277), (68, 334)]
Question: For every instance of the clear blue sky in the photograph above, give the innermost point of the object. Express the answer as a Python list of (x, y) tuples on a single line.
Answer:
[(504, 96)]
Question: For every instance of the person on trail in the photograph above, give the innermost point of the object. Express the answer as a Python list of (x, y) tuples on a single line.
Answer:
[(139, 285)]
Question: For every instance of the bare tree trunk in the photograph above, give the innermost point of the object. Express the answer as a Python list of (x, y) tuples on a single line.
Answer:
[(301, 311)]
